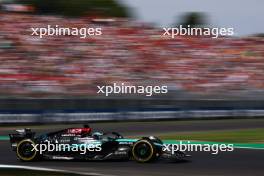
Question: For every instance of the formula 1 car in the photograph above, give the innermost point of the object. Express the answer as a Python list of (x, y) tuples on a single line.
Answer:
[(68, 144)]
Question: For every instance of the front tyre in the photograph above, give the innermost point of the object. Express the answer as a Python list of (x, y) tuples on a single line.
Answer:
[(144, 151), (25, 150)]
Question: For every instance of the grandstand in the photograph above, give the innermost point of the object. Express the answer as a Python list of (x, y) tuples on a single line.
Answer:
[(128, 51)]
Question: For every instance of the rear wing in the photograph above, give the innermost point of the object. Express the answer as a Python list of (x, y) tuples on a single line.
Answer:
[(20, 135)]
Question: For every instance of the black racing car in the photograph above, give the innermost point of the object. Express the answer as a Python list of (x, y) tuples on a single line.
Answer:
[(82, 144)]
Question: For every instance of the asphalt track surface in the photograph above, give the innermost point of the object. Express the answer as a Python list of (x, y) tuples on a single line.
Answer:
[(240, 162)]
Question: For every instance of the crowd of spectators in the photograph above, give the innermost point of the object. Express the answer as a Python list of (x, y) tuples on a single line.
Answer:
[(128, 51)]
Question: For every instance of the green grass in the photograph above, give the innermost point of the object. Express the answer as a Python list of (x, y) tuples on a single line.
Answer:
[(235, 136)]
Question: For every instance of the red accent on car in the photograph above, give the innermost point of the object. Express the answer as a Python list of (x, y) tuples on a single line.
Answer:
[(79, 130)]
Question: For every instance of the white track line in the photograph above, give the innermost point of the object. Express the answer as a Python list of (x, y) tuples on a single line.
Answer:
[(3, 166), (250, 148)]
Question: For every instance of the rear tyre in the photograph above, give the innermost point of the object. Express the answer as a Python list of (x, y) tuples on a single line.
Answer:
[(144, 151), (25, 150)]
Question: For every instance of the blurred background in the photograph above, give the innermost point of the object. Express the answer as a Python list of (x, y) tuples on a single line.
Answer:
[(61, 74), (50, 83)]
